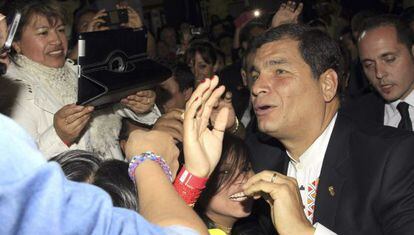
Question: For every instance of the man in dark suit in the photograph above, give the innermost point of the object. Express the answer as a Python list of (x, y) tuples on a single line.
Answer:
[(339, 178), (386, 52)]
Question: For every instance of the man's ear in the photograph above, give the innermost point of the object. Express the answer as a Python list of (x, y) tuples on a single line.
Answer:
[(329, 83), (16, 47), (187, 93)]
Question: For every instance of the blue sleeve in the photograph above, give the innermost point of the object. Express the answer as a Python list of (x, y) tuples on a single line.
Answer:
[(36, 198)]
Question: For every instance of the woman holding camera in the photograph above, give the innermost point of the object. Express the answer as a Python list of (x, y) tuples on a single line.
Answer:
[(45, 104)]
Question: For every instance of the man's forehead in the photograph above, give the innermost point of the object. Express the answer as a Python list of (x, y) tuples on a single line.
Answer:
[(379, 41), (384, 31), (279, 50)]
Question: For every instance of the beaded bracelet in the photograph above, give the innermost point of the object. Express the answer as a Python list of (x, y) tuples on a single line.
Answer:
[(136, 160)]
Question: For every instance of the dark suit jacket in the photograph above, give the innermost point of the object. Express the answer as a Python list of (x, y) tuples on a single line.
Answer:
[(366, 185), (366, 110)]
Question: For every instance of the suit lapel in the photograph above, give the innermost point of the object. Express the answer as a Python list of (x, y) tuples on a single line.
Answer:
[(379, 109), (332, 178)]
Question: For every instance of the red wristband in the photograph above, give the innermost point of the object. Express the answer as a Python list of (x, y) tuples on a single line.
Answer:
[(188, 186), (188, 179)]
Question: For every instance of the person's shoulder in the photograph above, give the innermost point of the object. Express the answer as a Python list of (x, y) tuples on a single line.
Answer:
[(372, 132), (363, 101)]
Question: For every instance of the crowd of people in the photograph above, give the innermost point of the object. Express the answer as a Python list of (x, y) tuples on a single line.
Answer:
[(279, 123)]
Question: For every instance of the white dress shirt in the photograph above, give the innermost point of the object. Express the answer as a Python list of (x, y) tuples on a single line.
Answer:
[(307, 170), (391, 115)]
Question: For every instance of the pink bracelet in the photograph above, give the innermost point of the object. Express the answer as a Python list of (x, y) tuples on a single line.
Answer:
[(136, 160)]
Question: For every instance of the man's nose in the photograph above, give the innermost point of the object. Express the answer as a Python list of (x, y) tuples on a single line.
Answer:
[(259, 86), (380, 71)]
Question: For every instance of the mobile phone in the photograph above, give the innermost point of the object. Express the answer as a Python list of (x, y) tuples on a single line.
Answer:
[(10, 36), (115, 17), (11, 32)]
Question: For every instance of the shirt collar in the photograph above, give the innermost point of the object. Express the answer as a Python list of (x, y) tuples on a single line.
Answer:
[(316, 152), (391, 108)]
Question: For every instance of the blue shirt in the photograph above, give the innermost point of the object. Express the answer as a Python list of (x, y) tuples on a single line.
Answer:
[(36, 198)]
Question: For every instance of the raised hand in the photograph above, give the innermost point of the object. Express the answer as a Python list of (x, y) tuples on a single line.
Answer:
[(70, 120), (288, 13), (140, 102), (202, 146), (96, 24), (134, 19)]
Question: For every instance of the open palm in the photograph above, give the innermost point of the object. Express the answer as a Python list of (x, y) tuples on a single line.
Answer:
[(202, 146)]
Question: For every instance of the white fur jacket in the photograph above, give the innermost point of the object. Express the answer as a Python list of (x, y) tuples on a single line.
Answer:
[(40, 97)]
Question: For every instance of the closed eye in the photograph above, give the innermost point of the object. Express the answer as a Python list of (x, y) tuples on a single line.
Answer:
[(368, 64), (389, 59), (280, 71), (43, 32)]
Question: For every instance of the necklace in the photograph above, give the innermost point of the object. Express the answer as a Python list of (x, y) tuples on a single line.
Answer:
[(225, 229)]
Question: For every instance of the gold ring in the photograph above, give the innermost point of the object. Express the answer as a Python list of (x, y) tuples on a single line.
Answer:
[(273, 179)]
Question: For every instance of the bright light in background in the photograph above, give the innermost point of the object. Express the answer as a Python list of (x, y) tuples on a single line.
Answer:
[(256, 13)]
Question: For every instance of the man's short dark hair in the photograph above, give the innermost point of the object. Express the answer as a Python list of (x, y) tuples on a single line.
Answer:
[(404, 33), (317, 49)]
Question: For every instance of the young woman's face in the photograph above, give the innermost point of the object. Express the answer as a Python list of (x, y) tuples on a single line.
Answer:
[(43, 42), (201, 69), (230, 203)]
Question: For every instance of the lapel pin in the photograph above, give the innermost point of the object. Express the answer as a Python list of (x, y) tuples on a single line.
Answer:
[(331, 191)]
